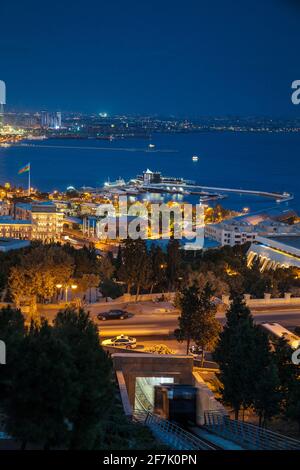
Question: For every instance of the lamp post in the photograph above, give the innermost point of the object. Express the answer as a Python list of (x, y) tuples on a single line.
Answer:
[(72, 286)]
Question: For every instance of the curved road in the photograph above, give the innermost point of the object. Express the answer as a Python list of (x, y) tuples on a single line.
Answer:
[(151, 327), (151, 323)]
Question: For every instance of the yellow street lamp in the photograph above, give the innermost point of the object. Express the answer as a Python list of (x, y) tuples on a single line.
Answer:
[(72, 286)]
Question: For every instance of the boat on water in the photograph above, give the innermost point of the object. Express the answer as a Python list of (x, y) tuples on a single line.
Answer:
[(151, 146), (115, 184), (5, 145), (155, 177), (36, 137), (195, 158)]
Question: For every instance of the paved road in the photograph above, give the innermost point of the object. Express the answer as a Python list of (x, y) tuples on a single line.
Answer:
[(152, 325)]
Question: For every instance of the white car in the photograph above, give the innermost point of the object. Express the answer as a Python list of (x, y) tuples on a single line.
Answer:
[(121, 341), (195, 351)]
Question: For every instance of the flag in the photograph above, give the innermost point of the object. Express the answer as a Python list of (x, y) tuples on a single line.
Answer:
[(24, 169)]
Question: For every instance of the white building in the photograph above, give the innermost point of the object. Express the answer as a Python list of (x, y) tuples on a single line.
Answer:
[(12, 228), (231, 233), (45, 220), (236, 232), (276, 251)]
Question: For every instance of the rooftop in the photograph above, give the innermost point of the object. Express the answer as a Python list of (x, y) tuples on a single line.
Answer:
[(7, 244), (10, 221), (292, 241)]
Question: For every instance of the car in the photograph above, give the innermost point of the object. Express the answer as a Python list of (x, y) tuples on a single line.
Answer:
[(195, 351), (113, 315), (120, 341)]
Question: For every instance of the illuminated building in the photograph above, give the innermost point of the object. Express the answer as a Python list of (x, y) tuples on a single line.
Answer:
[(274, 252), (51, 120), (11, 228), (2, 99), (47, 222), (245, 229), (45, 219)]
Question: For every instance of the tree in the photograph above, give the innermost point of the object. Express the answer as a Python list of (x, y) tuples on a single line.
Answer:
[(38, 273), (135, 269), (93, 380), (109, 288), (289, 380), (41, 395), (255, 282), (106, 268), (287, 371), (293, 402), (235, 355), (128, 270), (158, 268), (87, 281), (197, 321), (12, 332), (201, 279), (86, 260), (173, 263), (206, 327), (118, 261), (23, 287), (188, 302), (60, 388), (267, 395)]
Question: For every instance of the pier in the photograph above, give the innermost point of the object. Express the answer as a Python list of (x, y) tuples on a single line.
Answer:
[(108, 149), (199, 189), (282, 197)]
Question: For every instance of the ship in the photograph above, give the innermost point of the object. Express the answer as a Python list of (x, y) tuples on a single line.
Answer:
[(115, 184), (36, 137), (195, 158), (155, 177)]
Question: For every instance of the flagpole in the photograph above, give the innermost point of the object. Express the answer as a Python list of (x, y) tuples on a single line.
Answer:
[(29, 189)]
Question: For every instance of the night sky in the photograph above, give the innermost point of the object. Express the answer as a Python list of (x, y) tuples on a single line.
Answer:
[(187, 58)]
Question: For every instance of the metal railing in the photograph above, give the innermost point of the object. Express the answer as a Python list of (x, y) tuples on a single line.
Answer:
[(247, 435), (142, 398), (171, 434)]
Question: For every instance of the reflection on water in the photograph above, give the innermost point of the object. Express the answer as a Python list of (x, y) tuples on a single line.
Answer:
[(236, 160)]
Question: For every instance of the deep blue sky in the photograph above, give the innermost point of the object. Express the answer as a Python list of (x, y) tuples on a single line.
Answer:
[(191, 57)]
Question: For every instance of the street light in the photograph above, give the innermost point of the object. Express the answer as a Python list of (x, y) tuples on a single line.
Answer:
[(72, 286)]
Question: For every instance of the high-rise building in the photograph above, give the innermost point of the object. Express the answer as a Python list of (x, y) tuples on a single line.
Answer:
[(2, 99), (44, 119), (51, 120)]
